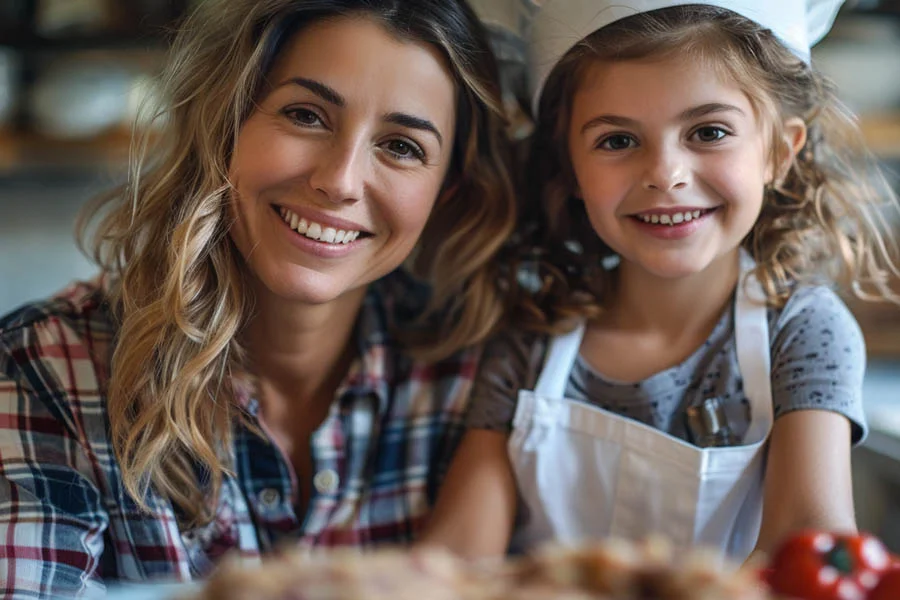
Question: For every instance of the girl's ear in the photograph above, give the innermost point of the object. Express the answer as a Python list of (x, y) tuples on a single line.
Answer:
[(793, 141)]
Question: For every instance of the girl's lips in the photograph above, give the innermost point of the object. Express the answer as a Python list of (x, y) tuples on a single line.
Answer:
[(671, 216), (671, 226)]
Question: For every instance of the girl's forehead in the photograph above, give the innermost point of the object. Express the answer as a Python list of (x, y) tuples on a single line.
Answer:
[(654, 81)]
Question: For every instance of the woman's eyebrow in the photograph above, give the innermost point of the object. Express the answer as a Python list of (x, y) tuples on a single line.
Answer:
[(318, 88), (331, 96), (406, 120)]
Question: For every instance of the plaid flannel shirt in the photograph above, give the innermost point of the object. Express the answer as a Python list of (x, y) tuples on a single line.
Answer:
[(68, 525)]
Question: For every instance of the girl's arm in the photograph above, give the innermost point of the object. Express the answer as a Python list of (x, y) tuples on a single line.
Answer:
[(818, 363), (476, 506), (808, 481)]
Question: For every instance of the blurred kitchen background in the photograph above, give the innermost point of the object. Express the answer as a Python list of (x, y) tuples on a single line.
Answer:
[(73, 74)]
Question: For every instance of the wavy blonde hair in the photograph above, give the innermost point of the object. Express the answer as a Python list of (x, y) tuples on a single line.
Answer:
[(824, 221), (178, 286)]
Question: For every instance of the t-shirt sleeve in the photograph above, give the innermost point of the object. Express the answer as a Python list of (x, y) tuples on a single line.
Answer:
[(819, 358), (510, 362)]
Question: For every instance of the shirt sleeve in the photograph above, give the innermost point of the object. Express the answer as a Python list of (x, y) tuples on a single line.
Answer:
[(511, 362), (51, 515), (819, 358)]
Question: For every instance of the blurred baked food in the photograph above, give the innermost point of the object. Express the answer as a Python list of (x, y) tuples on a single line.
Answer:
[(609, 571)]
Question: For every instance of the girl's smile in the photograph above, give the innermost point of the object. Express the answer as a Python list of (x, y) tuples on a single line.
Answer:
[(670, 160)]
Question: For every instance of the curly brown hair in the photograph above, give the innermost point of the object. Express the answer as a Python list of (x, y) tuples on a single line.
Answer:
[(824, 221)]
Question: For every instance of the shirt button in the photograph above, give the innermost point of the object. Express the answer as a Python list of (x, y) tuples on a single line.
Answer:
[(326, 481), (269, 498)]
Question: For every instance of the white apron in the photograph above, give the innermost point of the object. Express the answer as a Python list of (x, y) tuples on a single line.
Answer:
[(587, 473)]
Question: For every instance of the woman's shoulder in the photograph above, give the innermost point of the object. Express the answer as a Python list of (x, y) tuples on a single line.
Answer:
[(54, 356), (82, 304)]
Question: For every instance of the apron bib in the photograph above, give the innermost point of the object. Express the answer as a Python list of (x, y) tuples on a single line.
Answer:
[(585, 473)]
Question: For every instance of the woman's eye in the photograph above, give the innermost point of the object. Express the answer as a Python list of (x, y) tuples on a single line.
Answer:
[(710, 134), (303, 116), (405, 150), (617, 142)]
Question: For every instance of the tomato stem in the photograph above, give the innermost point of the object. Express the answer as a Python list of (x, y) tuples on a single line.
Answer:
[(839, 558)]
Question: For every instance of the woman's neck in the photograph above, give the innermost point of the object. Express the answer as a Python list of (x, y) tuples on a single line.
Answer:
[(673, 308), (301, 352)]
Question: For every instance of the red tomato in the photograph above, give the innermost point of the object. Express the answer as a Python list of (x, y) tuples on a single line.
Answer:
[(889, 586), (815, 565)]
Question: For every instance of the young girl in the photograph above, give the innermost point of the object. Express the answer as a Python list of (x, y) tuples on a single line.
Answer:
[(700, 187)]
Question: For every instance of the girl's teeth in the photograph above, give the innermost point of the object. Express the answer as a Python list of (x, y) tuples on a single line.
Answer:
[(674, 219), (316, 231)]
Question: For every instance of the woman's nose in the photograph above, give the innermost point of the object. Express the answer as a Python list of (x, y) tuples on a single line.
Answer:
[(340, 172)]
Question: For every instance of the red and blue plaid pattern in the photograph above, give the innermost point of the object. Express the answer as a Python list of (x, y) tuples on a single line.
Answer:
[(69, 527)]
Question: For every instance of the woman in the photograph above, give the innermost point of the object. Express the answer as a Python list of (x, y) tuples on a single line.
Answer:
[(238, 377)]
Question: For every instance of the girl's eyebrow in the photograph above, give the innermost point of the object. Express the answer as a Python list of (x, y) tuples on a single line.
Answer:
[(708, 109), (695, 112)]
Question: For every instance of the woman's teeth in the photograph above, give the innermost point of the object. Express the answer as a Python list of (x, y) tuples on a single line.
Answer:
[(316, 231), (673, 219)]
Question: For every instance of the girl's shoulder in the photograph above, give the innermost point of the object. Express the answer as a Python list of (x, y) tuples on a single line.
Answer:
[(814, 311)]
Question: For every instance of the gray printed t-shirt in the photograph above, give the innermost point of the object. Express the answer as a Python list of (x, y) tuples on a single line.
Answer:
[(818, 362)]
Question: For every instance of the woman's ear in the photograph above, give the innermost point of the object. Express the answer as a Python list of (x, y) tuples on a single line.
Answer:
[(793, 140)]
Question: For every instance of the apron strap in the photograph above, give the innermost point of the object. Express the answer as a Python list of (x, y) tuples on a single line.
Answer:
[(561, 357), (751, 330)]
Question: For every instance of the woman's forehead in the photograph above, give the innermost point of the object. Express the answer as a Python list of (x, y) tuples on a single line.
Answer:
[(367, 60)]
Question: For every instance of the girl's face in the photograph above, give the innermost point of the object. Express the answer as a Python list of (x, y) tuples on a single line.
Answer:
[(338, 167), (670, 161)]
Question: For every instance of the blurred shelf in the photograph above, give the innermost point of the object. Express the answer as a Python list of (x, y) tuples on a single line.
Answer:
[(880, 324), (882, 133), (30, 42), (31, 154)]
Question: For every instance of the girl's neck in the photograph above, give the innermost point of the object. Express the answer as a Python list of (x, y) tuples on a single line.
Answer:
[(673, 308)]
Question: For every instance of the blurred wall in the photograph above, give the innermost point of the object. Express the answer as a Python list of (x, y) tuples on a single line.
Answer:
[(37, 248)]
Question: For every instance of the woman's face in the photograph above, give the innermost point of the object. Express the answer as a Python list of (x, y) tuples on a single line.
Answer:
[(338, 167)]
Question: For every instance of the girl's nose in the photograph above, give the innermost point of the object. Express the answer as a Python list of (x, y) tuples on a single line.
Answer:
[(667, 170)]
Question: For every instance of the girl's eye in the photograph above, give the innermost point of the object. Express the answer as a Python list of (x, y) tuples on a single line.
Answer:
[(618, 141), (303, 117), (710, 134), (405, 150)]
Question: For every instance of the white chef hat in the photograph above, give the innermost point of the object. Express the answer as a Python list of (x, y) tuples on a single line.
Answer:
[(560, 24)]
